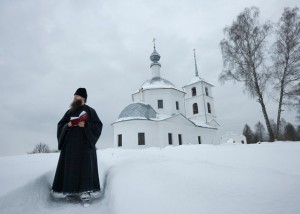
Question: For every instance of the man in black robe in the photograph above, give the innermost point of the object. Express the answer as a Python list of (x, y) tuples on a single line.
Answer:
[(77, 170)]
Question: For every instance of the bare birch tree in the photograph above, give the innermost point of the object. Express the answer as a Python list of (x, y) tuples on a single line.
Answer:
[(243, 50), (286, 58)]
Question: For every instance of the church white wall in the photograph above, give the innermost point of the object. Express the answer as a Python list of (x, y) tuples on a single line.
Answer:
[(200, 89), (209, 88), (130, 129), (156, 133), (169, 97), (138, 96), (201, 108), (211, 115), (189, 134)]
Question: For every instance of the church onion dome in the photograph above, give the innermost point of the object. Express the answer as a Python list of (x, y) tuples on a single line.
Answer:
[(157, 82), (155, 57), (137, 111)]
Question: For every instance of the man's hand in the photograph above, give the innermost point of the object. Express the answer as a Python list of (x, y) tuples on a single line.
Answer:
[(70, 124), (81, 124)]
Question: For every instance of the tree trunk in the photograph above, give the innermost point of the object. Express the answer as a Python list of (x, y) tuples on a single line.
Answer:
[(263, 107), (282, 86), (279, 111)]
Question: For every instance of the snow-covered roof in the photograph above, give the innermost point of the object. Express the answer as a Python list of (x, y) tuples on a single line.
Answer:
[(160, 117), (137, 110), (195, 80), (142, 111), (157, 82), (201, 123)]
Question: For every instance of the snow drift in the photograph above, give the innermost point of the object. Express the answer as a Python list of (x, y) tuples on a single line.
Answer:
[(210, 179)]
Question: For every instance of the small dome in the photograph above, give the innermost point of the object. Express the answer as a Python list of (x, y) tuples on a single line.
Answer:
[(155, 57), (138, 110)]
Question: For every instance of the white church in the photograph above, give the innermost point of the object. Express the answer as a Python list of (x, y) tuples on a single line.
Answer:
[(161, 115)]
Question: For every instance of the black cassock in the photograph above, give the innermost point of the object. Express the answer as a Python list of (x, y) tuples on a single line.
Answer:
[(77, 169)]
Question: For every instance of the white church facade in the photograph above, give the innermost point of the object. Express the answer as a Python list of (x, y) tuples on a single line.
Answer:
[(161, 115)]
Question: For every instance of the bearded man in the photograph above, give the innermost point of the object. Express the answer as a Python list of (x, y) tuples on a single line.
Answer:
[(77, 133)]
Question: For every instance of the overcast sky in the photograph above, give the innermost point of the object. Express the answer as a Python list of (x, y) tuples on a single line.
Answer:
[(50, 48)]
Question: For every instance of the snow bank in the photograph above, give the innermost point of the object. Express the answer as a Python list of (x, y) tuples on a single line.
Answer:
[(211, 179)]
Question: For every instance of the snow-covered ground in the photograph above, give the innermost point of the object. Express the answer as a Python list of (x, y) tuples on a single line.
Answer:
[(192, 179)]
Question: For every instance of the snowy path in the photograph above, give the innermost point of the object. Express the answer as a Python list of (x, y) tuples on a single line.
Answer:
[(206, 179), (27, 183)]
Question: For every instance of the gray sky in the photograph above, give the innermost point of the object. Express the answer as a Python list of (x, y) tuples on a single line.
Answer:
[(50, 48)]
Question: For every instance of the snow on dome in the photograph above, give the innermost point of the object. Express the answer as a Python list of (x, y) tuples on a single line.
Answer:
[(157, 82), (137, 110)]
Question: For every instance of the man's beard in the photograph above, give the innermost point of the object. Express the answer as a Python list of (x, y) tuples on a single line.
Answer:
[(75, 105)]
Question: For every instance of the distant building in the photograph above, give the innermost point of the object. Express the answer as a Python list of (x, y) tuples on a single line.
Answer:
[(233, 138), (162, 115)]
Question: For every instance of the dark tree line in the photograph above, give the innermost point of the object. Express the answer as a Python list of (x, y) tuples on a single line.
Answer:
[(287, 132), (247, 58)]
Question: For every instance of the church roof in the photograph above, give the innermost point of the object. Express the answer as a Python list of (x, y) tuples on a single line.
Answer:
[(142, 111), (201, 123), (157, 82), (195, 80), (137, 110)]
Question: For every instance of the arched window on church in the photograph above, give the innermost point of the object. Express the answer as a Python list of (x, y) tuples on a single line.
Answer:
[(206, 91), (194, 92), (208, 108), (195, 108)]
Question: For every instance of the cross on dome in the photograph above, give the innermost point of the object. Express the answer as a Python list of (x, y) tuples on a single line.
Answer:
[(154, 42)]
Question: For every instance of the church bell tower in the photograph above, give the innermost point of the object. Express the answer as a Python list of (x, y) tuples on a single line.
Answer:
[(199, 102)]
